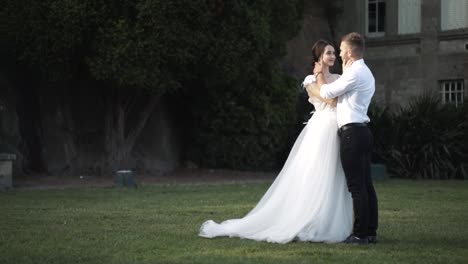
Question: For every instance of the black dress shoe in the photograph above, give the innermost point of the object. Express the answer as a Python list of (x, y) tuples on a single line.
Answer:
[(352, 239), (372, 239)]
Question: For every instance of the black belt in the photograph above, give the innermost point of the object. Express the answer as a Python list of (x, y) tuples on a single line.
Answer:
[(350, 125)]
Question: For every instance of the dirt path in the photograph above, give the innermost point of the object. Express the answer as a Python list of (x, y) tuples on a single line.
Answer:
[(187, 176)]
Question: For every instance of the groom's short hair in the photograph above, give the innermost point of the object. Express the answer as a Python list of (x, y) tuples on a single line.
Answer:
[(356, 42)]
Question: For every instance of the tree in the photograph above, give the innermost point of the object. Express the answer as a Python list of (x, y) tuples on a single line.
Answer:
[(149, 46), (244, 101), (137, 51), (134, 49)]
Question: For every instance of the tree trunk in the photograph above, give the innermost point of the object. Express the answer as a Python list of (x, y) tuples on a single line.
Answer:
[(29, 118), (119, 138), (66, 124)]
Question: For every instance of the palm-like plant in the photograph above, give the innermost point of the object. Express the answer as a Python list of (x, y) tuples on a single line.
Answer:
[(424, 140)]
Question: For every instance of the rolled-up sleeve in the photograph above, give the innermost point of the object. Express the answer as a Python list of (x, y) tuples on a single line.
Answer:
[(340, 86)]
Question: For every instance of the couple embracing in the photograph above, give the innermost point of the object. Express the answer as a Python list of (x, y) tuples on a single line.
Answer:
[(324, 192)]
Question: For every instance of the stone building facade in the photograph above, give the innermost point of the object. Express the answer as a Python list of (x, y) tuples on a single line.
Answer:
[(412, 46)]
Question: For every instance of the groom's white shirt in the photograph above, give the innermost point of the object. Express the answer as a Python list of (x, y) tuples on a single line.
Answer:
[(354, 90)]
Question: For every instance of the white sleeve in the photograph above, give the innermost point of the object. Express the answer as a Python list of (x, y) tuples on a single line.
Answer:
[(345, 83), (308, 80)]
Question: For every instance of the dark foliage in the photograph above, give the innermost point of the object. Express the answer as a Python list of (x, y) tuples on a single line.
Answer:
[(242, 109), (219, 58), (424, 140)]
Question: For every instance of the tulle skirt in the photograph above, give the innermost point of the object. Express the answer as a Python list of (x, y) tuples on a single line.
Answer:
[(309, 199)]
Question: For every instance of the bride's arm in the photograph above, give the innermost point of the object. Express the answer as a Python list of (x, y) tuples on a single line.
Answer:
[(313, 91)]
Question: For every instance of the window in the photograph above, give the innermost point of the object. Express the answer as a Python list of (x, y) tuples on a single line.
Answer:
[(375, 18), (454, 14), (409, 16), (452, 91)]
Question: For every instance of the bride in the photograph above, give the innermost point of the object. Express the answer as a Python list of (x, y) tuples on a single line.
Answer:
[(309, 199)]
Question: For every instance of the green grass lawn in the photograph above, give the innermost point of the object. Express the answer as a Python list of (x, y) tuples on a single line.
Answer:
[(420, 222)]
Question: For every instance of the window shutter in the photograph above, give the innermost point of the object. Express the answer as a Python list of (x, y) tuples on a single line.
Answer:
[(454, 14), (409, 16)]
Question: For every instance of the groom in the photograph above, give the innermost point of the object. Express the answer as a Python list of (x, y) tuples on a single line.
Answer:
[(354, 90)]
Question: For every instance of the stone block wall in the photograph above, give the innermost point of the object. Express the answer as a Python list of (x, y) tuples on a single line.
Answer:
[(404, 66)]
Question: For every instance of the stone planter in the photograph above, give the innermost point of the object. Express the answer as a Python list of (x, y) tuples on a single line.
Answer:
[(125, 178), (6, 171)]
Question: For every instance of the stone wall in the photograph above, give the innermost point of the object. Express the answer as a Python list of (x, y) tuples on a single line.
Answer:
[(298, 60), (404, 66), (71, 134), (409, 65), (73, 140), (10, 139)]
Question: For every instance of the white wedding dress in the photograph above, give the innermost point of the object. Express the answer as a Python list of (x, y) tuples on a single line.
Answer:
[(309, 200)]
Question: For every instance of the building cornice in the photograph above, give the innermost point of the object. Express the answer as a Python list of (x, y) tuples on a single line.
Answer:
[(453, 34), (393, 40), (414, 38)]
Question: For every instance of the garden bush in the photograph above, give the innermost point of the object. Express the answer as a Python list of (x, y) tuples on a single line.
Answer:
[(425, 140)]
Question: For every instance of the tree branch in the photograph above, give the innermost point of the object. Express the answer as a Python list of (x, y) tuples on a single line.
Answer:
[(142, 120)]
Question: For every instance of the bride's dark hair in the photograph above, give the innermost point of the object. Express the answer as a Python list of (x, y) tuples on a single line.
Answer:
[(318, 48)]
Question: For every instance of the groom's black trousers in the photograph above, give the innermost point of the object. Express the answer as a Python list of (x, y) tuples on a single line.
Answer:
[(355, 152)]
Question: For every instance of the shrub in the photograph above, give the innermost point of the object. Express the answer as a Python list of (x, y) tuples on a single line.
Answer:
[(240, 104), (243, 129), (424, 140)]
